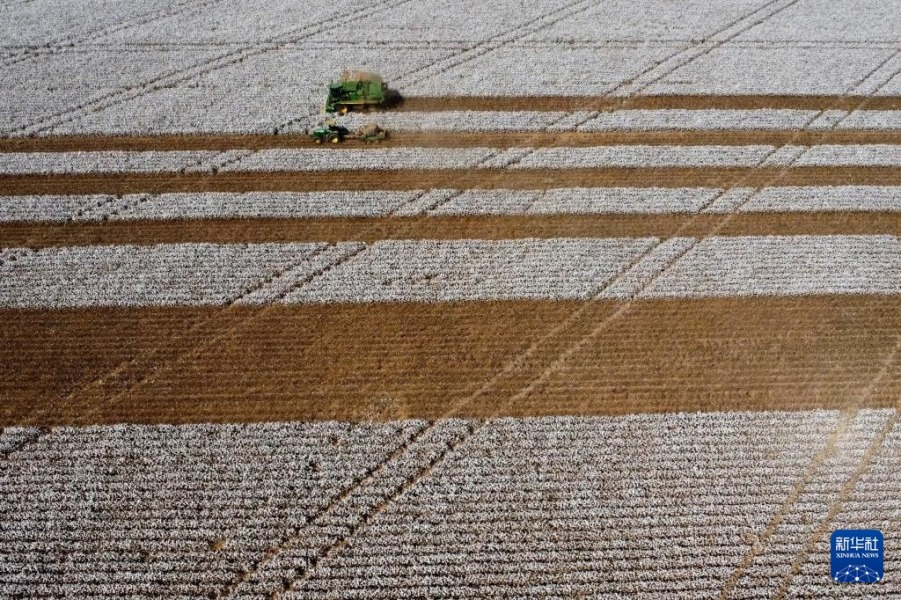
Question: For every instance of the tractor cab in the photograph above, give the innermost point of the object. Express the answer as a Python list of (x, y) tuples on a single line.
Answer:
[(329, 132)]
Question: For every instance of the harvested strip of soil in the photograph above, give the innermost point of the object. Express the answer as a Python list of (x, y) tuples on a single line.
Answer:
[(402, 179), (388, 361), (491, 227), (690, 102), (446, 139)]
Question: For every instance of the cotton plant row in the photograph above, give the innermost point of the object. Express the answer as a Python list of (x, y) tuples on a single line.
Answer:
[(310, 159), (809, 512), (872, 120), (161, 275), (445, 271), (210, 205), (694, 120), (784, 265), (872, 501), (147, 511), (401, 470), (876, 155), (311, 205), (738, 69), (456, 121), (199, 110), (100, 162), (452, 270), (645, 156), (631, 156), (380, 158), (554, 70), (824, 199), (42, 92), (552, 512), (282, 89)]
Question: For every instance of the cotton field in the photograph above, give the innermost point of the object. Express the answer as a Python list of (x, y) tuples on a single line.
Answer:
[(611, 310), (274, 518)]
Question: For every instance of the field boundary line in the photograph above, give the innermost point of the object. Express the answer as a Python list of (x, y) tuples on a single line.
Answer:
[(288, 541), (759, 544), (847, 488)]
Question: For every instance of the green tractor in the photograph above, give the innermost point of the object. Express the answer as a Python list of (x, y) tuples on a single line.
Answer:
[(329, 132), (355, 89)]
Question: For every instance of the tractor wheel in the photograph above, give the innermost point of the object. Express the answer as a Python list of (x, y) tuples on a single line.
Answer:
[(343, 110), (318, 140), (334, 138)]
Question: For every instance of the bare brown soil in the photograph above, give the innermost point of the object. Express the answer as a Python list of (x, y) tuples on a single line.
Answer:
[(386, 361), (42, 235), (500, 139), (413, 179), (603, 103)]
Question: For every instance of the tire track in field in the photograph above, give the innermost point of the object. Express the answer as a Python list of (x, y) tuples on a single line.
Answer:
[(287, 542), (134, 369), (82, 37), (479, 49), (847, 488), (565, 349), (197, 69), (711, 42), (497, 41), (686, 55), (148, 371), (829, 449)]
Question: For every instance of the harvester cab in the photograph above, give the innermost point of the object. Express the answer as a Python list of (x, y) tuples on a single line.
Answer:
[(355, 90)]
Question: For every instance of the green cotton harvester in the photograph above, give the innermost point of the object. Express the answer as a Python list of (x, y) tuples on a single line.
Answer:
[(355, 89)]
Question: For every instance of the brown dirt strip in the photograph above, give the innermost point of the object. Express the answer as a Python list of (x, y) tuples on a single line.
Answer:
[(415, 179), (501, 139), (42, 235), (387, 361), (604, 103)]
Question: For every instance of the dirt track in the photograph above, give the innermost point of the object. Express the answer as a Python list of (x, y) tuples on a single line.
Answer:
[(41, 235), (444, 139), (311, 181), (422, 360), (691, 102)]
